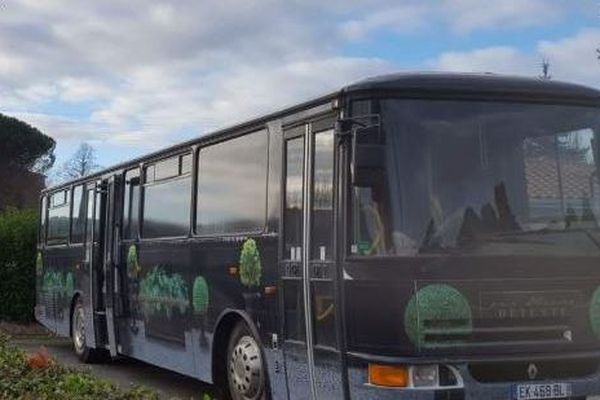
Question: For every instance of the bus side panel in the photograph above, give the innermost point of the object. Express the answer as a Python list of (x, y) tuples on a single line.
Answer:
[(58, 283), (183, 285), (154, 322)]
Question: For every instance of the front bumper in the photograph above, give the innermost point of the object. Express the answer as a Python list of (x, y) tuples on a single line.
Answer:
[(469, 389)]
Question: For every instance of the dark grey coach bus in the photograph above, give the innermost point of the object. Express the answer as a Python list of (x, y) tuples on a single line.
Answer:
[(413, 236)]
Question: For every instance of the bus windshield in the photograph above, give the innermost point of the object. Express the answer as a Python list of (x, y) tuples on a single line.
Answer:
[(479, 177)]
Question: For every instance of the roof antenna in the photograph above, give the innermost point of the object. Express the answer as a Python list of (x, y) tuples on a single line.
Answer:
[(545, 70)]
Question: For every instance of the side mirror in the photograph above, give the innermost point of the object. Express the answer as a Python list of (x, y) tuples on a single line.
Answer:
[(368, 157)]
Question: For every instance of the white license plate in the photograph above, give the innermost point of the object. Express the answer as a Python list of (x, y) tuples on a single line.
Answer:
[(541, 391)]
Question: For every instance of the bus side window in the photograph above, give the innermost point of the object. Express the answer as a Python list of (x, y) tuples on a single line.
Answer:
[(322, 197), (232, 186), (167, 194), (43, 220), (131, 204), (58, 218), (78, 214), (90, 213)]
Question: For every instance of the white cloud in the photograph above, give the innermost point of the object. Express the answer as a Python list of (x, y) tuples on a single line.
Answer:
[(575, 57), (401, 19), (63, 128), (147, 73), (502, 59), (470, 15), (571, 59), (460, 16)]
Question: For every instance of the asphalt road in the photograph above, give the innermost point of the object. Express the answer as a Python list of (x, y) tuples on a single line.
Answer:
[(124, 372)]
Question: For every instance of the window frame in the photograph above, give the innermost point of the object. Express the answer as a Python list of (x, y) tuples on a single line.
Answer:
[(71, 209), (196, 170), (43, 221), (66, 202), (127, 191), (155, 182), (346, 187)]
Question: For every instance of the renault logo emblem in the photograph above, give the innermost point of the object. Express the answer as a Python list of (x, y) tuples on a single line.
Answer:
[(532, 371)]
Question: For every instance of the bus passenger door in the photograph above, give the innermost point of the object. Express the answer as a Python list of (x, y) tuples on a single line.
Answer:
[(311, 348), (111, 259), (94, 260)]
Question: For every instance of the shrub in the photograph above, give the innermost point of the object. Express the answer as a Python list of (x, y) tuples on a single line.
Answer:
[(18, 233), (200, 297), (25, 379), (250, 265)]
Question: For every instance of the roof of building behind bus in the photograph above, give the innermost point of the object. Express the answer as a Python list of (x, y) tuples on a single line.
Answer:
[(437, 83)]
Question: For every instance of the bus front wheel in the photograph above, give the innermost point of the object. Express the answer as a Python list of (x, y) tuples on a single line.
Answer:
[(246, 373), (84, 353)]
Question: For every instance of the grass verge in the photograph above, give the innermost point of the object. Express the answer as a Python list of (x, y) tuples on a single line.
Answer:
[(39, 377)]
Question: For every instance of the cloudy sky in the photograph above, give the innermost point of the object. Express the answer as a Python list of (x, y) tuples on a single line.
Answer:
[(133, 76)]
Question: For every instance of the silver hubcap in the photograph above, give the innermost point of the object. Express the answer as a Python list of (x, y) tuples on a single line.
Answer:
[(245, 369), (79, 330)]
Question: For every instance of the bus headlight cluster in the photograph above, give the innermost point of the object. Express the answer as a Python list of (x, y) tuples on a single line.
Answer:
[(429, 376)]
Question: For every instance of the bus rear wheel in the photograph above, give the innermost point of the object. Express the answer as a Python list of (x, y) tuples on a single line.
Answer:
[(78, 331), (246, 373)]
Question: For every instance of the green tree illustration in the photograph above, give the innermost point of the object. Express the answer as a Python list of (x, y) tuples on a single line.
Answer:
[(440, 307), (133, 267), (594, 312), (200, 296), (162, 293), (250, 265), (39, 264), (69, 285)]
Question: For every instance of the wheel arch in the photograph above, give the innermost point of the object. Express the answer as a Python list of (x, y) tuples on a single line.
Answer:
[(225, 324)]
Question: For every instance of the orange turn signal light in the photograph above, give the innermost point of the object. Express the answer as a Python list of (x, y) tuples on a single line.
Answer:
[(388, 375)]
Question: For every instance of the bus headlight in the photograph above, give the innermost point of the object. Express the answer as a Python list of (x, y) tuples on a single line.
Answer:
[(425, 375)]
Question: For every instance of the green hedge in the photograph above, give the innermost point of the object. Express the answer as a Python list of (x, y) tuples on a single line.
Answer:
[(19, 380), (18, 233)]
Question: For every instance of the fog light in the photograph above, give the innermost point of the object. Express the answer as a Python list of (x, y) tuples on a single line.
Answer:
[(388, 375), (425, 375)]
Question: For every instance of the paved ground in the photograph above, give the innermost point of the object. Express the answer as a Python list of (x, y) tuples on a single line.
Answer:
[(123, 372)]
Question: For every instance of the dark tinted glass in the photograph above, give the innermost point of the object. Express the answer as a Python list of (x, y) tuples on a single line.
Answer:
[(78, 214), (322, 197), (167, 208), (43, 216), (90, 214), (186, 164), (58, 219), (131, 204), (482, 177), (293, 198), (166, 169), (324, 313), (294, 310), (232, 185)]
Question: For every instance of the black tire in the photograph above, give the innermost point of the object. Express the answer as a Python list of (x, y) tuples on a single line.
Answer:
[(245, 367), (83, 352)]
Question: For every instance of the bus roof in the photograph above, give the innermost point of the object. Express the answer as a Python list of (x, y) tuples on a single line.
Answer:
[(477, 84), (419, 84)]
